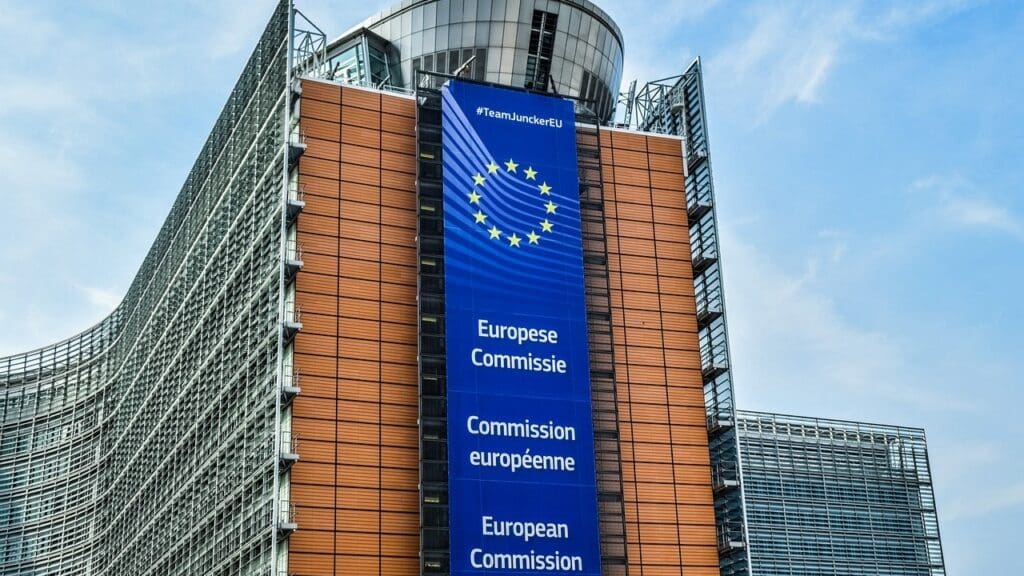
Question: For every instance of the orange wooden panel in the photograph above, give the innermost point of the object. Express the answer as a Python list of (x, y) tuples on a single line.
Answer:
[(395, 198), (392, 104), (400, 254), (629, 194), (322, 205), (399, 435), (397, 124), (318, 167), (364, 270), (351, 249), (320, 148), (318, 243), (318, 109), (361, 155), (700, 555), (310, 564), (314, 128), (666, 163), (348, 564), (358, 369), (695, 455), (665, 145), (632, 177), (667, 180), (398, 143), (312, 185), (398, 162), (358, 174), (314, 344), (401, 217), (305, 495), (365, 308), (399, 274), (367, 411), (654, 492), (314, 90), (630, 158), (356, 97), (352, 116), (398, 180), (323, 387), (362, 136), (312, 407), (312, 473), (352, 454), (402, 393), (629, 141), (312, 429), (362, 543), (669, 198)]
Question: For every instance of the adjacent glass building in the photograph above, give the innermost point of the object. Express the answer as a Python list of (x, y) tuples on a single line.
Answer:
[(265, 400), (837, 498)]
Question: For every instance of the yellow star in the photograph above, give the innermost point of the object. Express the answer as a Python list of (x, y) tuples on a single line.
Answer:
[(551, 207), (478, 180), (513, 240), (474, 198), (533, 236), (545, 189), (531, 174), (495, 233), (546, 226), (480, 217), (492, 168), (510, 165)]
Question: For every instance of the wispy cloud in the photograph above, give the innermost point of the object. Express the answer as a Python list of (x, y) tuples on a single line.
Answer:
[(790, 49), (959, 202), (789, 336)]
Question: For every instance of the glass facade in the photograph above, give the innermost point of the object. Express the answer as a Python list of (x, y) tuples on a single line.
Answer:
[(146, 445), (571, 47), (828, 497)]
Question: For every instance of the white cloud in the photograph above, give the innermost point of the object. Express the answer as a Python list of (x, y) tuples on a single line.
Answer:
[(793, 348), (101, 298), (959, 202), (792, 48)]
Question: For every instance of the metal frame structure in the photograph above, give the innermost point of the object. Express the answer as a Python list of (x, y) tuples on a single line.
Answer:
[(149, 444), (675, 105), (836, 498)]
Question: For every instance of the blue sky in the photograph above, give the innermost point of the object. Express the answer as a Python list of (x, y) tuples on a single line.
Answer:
[(867, 159)]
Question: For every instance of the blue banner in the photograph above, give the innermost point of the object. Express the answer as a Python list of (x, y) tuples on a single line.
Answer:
[(523, 495)]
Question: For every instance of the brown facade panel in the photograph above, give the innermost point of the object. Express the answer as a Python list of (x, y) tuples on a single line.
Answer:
[(355, 487)]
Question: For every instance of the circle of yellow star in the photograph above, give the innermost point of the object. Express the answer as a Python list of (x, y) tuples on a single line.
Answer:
[(474, 198), (492, 168), (546, 226), (545, 189), (513, 240), (551, 207), (510, 165), (478, 179), (531, 174), (494, 232), (533, 236), (480, 217)]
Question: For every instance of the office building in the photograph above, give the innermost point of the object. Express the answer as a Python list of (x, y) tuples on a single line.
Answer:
[(315, 363), (829, 497)]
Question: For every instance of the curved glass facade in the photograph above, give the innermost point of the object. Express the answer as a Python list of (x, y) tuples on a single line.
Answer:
[(145, 445), (571, 47)]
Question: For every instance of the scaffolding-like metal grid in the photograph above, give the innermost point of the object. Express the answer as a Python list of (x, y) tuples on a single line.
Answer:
[(835, 498), (146, 445), (675, 106)]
